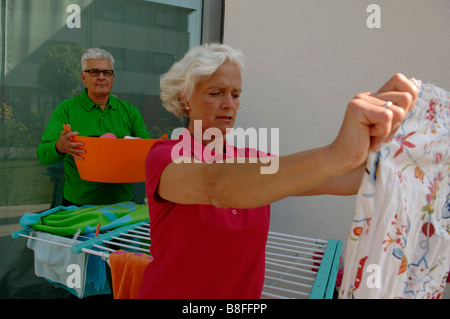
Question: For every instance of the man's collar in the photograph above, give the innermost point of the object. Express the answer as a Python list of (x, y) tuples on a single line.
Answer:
[(89, 104)]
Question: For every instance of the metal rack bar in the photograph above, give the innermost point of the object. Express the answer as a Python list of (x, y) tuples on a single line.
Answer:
[(296, 267)]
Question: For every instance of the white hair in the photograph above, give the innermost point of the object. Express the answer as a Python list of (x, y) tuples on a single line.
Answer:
[(199, 63), (98, 54)]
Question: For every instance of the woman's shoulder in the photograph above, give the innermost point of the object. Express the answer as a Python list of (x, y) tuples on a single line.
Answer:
[(162, 146)]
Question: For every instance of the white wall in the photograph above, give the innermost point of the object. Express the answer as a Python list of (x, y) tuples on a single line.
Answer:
[(305, 61)]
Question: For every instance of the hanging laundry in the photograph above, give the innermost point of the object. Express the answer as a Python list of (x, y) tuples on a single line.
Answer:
[(127, 271), (53, 257), (399, 243)]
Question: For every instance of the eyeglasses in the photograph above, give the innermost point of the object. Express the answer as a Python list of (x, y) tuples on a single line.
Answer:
[(96, 72)]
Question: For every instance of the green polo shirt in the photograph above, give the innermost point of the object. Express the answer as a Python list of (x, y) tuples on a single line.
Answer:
[(88, 119)]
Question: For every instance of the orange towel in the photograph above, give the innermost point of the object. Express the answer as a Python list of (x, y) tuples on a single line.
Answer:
[(127, 270)]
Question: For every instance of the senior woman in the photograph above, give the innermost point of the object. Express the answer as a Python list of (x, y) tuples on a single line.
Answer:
[(209, 221)]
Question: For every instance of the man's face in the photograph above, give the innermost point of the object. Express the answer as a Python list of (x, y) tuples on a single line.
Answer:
[(100, 85)]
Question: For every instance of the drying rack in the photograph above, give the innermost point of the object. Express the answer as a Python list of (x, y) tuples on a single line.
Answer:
[(300, 267), (296, 267)]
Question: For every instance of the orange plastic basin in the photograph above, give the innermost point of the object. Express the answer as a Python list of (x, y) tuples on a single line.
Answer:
[(113, 160)]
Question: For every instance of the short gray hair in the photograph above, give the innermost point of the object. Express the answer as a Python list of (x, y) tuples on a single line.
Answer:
[(199, 63), (98, 54)]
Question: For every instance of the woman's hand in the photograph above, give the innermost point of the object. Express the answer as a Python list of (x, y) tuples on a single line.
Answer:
[(367, 124), (65, 145)]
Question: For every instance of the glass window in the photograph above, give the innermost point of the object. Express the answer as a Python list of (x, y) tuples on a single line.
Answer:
[(42, 43)]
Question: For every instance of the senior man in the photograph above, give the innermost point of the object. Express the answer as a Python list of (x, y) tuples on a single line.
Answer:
[(92, 113)]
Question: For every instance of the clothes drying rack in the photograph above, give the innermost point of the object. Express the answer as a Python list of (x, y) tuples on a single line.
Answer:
[(296, 267)]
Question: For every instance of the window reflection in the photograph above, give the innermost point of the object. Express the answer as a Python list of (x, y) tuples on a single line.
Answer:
[(40, 67)]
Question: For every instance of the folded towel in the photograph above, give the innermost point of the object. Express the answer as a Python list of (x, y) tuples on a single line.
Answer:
[(66, 221)]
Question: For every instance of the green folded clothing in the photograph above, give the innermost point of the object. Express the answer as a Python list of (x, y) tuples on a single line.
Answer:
[(66, 221)]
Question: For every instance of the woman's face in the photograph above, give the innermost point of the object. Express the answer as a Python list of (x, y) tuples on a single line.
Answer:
[(215, 100)]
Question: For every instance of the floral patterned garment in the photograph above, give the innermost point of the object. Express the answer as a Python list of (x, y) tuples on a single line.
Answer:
[(399, 242)]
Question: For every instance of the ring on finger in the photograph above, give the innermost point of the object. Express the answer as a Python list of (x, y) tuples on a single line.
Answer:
[(387, 104)]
